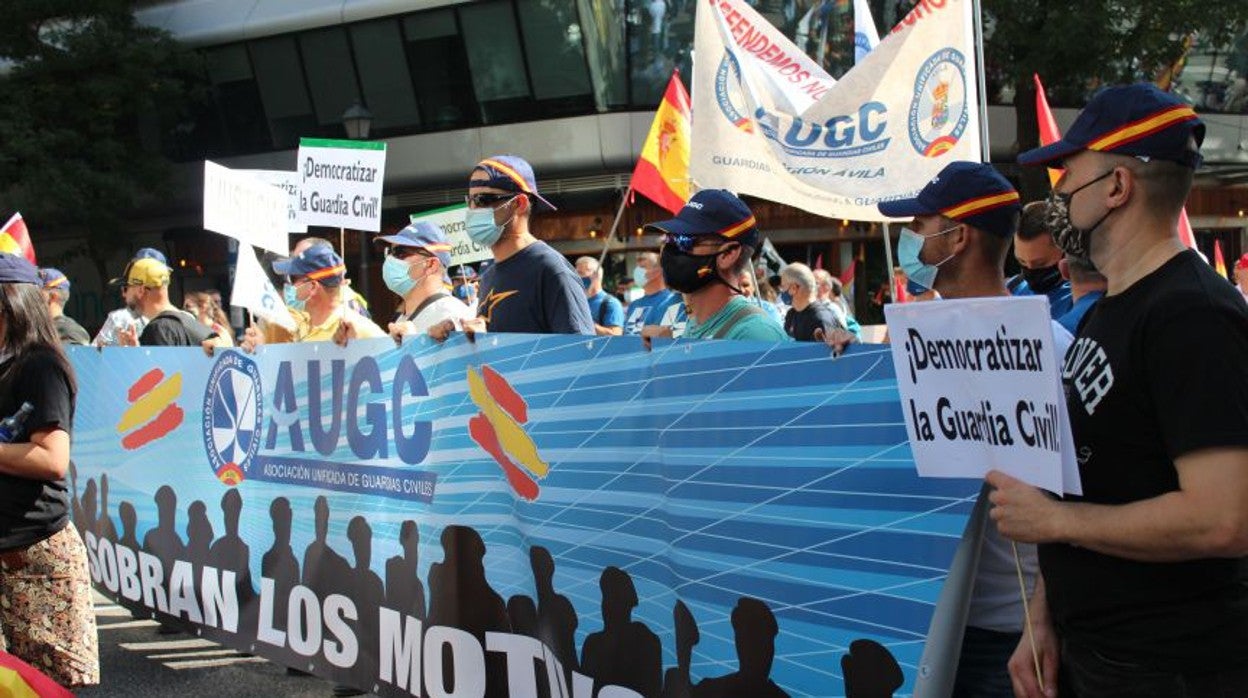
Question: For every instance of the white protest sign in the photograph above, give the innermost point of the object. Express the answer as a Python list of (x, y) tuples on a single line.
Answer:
[(451, 220), (340, 183), (245, 208), (980, 389), (253, 290), (834, 148), (288, 182)]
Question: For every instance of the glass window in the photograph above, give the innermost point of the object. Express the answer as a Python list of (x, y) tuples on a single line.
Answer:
[(555, 49), (387, 82), (660, 39), (331, 76), (238, 109), (282, 90), (603, 28), (438, 64), (497, 63)]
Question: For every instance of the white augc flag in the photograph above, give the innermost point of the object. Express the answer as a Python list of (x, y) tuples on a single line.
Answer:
[(253, 291), (866, 38), (769, 124)]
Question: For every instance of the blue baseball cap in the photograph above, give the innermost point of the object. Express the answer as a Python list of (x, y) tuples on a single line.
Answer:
[(1139, 120), (511, 173), (54, 279), (15, 269), (423, 235), (967, 192), (318, 263), (464, 271), (716, 212), (150, 253)]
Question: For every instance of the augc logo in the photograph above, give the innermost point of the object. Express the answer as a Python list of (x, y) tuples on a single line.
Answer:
[(939, 112), (153, 412), (727, 93), (232, 416)]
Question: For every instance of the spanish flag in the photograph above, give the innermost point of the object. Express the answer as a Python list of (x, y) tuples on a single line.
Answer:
[(15, 239), (662, 173), (1048, 125), (1219, 262), (21, 680)]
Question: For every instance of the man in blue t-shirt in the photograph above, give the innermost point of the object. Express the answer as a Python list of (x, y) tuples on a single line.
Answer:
[(1038, 256), (529, 287), (650, 308), (604, 309), (1087, 286)]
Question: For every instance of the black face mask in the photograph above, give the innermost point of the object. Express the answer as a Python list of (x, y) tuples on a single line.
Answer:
[(1042, 279), (687, 273)]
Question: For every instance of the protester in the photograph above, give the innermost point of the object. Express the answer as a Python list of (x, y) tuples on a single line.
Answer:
[(831, 290), (963, 221), (1038, 256), (706, 249), (1241, 276), (55, 287), (146, 290), (767, 297), (124, 318), (808, 319), (415, 268), (1144, 584), (605, 309), (206, 307), (350, 297), (1087, 286), (529, 287), (650, 308), (465, 287), (313, 293), (45, 590)]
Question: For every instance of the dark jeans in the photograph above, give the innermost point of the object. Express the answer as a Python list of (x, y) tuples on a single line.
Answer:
[(982, 671), (1086, 673)]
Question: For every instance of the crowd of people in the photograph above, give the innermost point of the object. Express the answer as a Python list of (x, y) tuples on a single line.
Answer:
[(1137, 587)]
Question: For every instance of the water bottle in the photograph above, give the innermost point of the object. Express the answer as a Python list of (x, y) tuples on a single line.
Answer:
[(12, 425)]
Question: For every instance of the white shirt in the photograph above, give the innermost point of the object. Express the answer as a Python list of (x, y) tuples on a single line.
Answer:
[(445, 308), (120, 319)]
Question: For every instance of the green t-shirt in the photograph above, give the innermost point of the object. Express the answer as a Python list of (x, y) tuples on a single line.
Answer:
[(757, 326)]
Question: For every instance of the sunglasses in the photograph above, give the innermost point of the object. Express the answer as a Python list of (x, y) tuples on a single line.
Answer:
[(686, 243), (487, 200), (402, 253)]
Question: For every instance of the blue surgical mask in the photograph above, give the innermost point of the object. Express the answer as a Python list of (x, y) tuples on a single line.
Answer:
[(463, 292), (290, 294), (394, 272), (786, 298), (908, 248), (640, 277), (479, 222), (587, 281)]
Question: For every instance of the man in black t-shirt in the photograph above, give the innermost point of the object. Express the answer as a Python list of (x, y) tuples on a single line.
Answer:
[(1144, 588), (145, 287), (808, 319)]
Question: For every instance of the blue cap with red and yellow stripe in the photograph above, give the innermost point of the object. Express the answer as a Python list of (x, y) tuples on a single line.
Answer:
[(1139, 120), (511, 173), (967, 192), (317, 263), (716, 212)]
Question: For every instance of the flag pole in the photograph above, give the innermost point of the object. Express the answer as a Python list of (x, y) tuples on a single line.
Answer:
[(888, 259), (606, 242), (984, 143)]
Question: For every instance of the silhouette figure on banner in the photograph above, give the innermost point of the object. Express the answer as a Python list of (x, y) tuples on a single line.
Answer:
[(366, 590), (404, 591), (754, 630), (870, 671), (625, 652), (230, 554), (163, 542), (129, 525), (325, 572), (199, 536), (279, 562), (556, 617), (676, 682), (523, 614), (88, 507), (104, 527)]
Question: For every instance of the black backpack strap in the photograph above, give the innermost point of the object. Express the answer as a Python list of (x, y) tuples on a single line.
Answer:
[(425, 304), (741, 314)]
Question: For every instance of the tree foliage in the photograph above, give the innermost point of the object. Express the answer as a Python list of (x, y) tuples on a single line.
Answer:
[(1077, 46)]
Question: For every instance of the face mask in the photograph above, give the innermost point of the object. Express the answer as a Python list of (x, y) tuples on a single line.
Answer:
[(479, 222), (687, 273), (1073, 241), (587, 281), (786, 298), (908, 249), (395, 274), (463, 292), (1043, 279), (290, 294), (640, 276)]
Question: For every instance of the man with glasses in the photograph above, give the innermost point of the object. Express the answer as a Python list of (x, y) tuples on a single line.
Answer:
[(124, 318), (314, 278), (706, 248), (530, 287)]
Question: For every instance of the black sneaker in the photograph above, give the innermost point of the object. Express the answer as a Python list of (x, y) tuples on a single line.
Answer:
[(344, 690)]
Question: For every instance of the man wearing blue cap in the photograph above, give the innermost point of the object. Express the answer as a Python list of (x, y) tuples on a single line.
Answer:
[(530, 287), (124, 318), (1144, 584), (962, 224), (706, 248), (415, 268), (56, 292)]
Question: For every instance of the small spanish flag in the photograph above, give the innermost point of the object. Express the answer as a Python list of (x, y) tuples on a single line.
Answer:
[(1049, 133), (1219, 262), (15, 239), (662, 172)]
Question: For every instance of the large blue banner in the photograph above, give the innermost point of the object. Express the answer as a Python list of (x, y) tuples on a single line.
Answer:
[(523, 515)]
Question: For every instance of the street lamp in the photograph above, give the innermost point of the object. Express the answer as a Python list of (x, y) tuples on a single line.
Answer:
[(357, 120)]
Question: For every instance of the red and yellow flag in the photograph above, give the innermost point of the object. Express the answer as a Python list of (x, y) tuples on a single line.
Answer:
[(1219, 262), (1048, 125), (662, 172), (15, 239)]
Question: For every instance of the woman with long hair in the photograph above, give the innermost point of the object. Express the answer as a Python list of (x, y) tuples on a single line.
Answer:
[(45, 589), (207, 309)]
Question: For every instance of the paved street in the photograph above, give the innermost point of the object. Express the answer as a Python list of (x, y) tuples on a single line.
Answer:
[(139, 662)]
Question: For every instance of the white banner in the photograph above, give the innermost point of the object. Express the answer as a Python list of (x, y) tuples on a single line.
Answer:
[(451, 221), (288, 182), (894, 121), (866, 38), (980, 389), (340, 183), (245, 208), (253, 290)]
